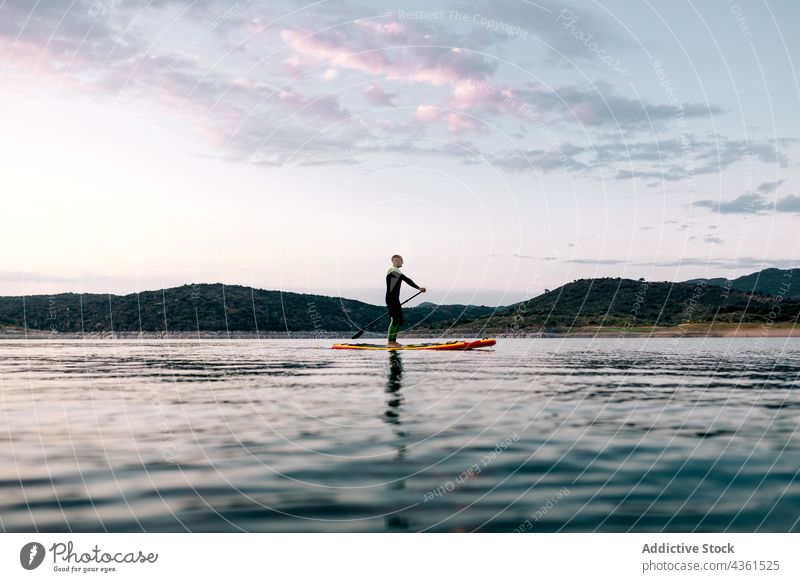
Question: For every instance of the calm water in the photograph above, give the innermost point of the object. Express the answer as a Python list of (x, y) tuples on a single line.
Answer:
[(285, 435)]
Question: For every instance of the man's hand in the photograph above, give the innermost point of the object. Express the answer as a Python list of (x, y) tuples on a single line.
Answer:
[(422, 289)]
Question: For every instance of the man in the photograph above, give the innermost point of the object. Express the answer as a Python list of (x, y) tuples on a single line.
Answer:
[(394, 279)]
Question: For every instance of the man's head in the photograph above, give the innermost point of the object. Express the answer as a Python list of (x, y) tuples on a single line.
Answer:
[(397, 261)]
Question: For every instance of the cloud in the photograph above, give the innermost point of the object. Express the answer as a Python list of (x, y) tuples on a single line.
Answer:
[(540, 20), (51, 38), (273, 119), (597, 105), (42, 277), (664, 160), (753, 203), (375, 95), (455, 122), (533, 257), (744, 204), (390, 50), (598, 261), (755, 263), (422, 52), (66, 44), (427, 113), (602, 106), (790, 203), (324, 107), (767, 187), (537, 160)]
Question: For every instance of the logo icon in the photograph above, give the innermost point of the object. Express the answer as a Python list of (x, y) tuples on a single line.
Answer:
[(31, 555)]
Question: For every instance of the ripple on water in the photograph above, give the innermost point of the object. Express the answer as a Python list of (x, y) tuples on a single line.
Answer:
[(600, 435)]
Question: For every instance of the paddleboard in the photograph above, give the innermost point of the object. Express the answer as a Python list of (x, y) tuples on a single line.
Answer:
[(452, 345)]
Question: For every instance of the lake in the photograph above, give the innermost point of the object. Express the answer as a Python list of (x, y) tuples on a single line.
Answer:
[(539, 435)]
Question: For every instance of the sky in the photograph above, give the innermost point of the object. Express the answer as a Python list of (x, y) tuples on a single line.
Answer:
[(502, 148)]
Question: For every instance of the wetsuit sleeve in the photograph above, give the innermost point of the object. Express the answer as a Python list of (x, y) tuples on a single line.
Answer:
[(409, 281)]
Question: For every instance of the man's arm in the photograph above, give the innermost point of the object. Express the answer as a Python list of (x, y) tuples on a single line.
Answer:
[(409, 281)]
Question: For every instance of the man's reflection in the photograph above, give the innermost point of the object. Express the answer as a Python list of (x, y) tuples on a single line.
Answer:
[(396, 522), (392, 413)]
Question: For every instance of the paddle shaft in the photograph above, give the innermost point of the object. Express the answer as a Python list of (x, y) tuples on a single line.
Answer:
[(364, 328)]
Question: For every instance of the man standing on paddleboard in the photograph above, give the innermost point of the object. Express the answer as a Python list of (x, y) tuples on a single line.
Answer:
[(394, 278)]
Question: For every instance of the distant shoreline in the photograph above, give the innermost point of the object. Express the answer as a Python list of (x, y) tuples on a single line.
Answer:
[(685, 330)]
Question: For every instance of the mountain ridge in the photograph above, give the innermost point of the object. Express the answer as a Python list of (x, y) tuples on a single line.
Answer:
[(767, 295)]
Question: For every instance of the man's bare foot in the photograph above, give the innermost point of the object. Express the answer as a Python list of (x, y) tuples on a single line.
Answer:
[(393, 345)]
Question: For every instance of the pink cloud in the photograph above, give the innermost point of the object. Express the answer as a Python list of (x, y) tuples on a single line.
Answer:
[(365, 49), (393, 29), (387, 125), (377, 96), (491, 98), (243, 83), (30, 69), (458, 122), (454, 121), (255, 26), (297, 66), (327, 107), (332, 48), (427, 114)]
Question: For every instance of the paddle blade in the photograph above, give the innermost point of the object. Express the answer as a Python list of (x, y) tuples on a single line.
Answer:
[(359, 333)]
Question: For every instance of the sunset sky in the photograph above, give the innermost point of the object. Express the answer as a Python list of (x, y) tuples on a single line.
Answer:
[(500, 147)]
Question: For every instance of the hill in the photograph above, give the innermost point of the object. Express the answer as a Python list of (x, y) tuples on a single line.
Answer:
[(783, 282), (209, 307), (605, 302), (615, 302)]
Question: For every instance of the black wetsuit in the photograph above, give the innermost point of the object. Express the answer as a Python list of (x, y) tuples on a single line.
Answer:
[(394, 279)]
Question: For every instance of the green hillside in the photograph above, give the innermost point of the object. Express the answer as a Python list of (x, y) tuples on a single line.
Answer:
[(208, 307), (615, 302), (783, 282), (606, 302)]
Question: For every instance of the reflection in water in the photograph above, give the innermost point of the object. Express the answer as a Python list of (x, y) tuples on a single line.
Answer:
[(392, 416), (392, 413), (395, 401), (276, 435)]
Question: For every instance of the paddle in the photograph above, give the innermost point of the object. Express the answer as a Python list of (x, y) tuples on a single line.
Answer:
[(361, 331)]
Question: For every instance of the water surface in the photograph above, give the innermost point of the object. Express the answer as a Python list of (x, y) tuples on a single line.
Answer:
[(609, 435)]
